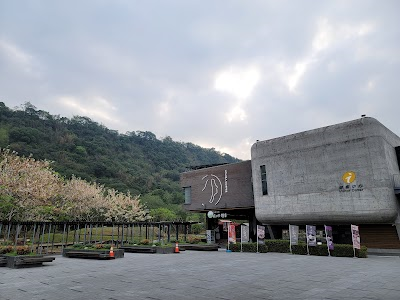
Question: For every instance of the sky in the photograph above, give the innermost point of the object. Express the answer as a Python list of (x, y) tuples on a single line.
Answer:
[(219, 74)]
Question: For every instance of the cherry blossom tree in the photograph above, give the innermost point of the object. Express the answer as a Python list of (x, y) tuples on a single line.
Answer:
[(31, 190)]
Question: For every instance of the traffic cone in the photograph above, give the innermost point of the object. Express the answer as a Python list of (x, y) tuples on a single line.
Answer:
[(176, 248), (112, 252)]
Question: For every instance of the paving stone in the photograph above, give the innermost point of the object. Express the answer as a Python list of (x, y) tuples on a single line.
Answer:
[(211, 275)]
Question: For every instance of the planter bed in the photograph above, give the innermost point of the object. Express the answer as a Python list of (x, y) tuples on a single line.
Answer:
[(92, 254), (148, 249), (21, 261), (199, 247)]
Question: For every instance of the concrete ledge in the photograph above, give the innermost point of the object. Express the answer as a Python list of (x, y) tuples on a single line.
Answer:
[(86, 253), (3, 261), (148, 249), (197, 247), (23, 261), (383, 252)]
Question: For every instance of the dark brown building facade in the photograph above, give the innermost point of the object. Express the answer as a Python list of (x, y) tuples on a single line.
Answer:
[(223, 187)]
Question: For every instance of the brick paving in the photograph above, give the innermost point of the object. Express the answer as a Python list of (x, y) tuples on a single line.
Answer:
[(206, 275)]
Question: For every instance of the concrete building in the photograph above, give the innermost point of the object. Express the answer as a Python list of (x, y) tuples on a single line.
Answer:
[(337, 175)]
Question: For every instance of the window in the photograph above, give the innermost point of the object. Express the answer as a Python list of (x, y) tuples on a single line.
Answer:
[(264, 180), (188, 195)]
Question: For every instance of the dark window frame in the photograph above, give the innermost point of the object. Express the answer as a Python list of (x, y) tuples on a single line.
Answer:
[(264, 184), (188, 194)]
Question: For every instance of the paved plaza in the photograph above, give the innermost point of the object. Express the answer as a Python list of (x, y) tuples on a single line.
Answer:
[(206, 275)]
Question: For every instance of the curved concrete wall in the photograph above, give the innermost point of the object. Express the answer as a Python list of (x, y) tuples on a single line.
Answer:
[(305, 170)]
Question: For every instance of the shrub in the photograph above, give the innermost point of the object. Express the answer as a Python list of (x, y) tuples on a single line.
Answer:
[(23, 250), (340, 250), (249, 247), (280, 246), (193, 240), (198, 228), (6, 249), (347, 251), (283, 246), (144, 242), (6, 243)]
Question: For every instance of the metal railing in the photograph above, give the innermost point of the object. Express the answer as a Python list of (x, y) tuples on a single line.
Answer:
[(47, 237)]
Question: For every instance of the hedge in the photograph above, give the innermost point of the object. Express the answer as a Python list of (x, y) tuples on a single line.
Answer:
[(283, 246), (249, 247), (340, 250), (280, 246)]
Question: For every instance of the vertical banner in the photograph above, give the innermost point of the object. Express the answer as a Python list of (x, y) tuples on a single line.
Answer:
[(293, 235), (225, 226), (355, 236), (231, 234), (260, 235), (244, 236), (329, 238), (311, 235)]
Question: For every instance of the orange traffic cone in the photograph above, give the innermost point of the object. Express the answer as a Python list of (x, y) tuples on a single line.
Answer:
[(112, 252), (176, 248)]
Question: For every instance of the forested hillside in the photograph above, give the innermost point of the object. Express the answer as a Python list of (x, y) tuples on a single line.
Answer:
[(136, 161)]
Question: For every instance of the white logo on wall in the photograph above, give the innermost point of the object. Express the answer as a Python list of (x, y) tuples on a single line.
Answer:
[(216, 187)]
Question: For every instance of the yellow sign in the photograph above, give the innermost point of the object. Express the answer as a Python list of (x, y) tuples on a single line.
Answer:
[(349, 177)]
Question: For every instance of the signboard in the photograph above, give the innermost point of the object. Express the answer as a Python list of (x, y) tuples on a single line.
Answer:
[(210, 236), (245, 236), (329, 237), (311, 232), (350, 183), (216, 215), (294, 234), (260, 234), (231, 234), (355, 237)]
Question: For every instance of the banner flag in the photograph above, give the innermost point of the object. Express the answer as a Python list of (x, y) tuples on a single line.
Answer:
[(294, 234), (260, 234), (329, 237), (245, 234), (231, 234), (355, 236), (311, 232)]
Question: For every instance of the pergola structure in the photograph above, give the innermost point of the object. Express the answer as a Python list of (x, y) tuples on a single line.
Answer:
[(41, 235)]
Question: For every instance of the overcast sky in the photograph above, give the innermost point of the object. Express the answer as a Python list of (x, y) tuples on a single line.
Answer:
[(219, 74)]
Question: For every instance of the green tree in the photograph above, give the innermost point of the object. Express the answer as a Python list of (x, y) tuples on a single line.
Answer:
[(4, 139), (163, 214)]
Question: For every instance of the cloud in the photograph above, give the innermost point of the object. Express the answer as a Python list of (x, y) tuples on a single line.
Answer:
[(240, 84), (18, 59), (203, 71), (327, 38), (96, 107)]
